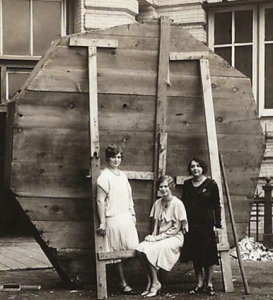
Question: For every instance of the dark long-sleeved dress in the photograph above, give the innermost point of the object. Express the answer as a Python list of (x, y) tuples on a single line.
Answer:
[(203, 209)]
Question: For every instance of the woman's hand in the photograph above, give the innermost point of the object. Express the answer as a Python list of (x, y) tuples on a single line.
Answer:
[(150, 238), (101, 230), (134, 219)]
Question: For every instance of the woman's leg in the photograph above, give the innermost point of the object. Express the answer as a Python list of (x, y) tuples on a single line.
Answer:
[(155, 284), (208, 274), (198, 274), (122, 281), (144, 263)]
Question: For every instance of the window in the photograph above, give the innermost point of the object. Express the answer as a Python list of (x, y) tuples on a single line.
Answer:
[(236, 34), (29, 26), (14, 80)]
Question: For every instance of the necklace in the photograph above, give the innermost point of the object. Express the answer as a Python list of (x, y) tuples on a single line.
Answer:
[(166, 204), (116, 173)]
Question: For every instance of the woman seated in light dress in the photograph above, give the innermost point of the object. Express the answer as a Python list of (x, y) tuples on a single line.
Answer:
[(116, 212), (162, 248)]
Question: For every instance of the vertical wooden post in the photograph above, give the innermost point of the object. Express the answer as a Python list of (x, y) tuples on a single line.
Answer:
[(215, 168), (3, 91), (92, 45), (95, 167), (267, 237), (162, 79)]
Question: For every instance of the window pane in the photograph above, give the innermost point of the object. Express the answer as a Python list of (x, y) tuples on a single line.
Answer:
[(16, 27), (15, 81), (243, 60), (45, 31), (222, 23), (268, 76), (269, 24), (243, 26), (225, 53)]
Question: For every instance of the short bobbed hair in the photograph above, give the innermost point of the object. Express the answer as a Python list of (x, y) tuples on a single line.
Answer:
[(112, 150), (166, 178), (202, 164)]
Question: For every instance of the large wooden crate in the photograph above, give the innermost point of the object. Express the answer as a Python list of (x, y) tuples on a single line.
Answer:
[(50, 152)]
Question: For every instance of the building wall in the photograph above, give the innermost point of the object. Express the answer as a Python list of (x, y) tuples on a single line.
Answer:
[(79, 12), (109, 13)]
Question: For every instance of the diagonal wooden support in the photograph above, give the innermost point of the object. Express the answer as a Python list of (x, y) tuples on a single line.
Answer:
[(215, 169), (223, 246)]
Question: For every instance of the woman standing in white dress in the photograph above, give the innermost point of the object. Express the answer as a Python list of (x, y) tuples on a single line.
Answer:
[(162, 248), (116, 212)]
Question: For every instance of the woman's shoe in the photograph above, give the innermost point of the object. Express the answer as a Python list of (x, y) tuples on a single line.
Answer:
[(126, 290), (197, 290), (210, 290), (145, 293), (154, 290)]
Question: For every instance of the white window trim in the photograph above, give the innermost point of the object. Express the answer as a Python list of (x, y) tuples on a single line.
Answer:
[(233, 44), (63, 25), (264, 112), (13, 71)]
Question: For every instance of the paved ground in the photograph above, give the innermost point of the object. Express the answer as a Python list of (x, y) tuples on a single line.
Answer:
[(260, 279), (23, 263)]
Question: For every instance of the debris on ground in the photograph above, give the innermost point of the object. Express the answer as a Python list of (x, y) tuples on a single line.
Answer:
[(252, 251)]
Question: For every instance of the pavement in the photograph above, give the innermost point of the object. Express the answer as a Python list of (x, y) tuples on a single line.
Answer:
[(38, 273)]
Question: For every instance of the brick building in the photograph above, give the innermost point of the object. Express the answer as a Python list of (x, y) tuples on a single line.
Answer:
[(238, 30)]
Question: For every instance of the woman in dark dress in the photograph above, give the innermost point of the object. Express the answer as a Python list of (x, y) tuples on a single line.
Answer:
[(202, 202)]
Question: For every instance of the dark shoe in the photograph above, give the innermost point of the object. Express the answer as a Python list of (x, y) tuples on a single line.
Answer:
[(197, 290), (210, 291)]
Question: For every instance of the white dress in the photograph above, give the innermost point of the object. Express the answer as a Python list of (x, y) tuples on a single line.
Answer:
[(165, 251), (121, 233)]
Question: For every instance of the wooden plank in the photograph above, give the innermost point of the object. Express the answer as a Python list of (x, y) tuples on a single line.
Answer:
[(118, 59), (110, 81), (8, 144), (117, 254), (86, 42), (49, 180), (116, 112), (163, 76), (220, 67), (232, 87), (56, 209), (3, 90), (50, 145), (181, 179), (188, 55), (215, 166), (68, 234), (134, 175), (129, 81), (95, 167), (162, 159)]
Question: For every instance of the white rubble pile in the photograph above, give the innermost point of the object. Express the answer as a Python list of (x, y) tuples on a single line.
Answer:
[(251, 250)]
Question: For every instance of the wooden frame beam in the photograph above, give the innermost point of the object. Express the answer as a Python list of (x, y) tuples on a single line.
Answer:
[(188, 55), (215, 167), (162, 83)]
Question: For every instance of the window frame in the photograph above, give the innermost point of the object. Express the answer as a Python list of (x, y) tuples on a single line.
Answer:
[(63, 26), (254, 43), (265, 112)]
